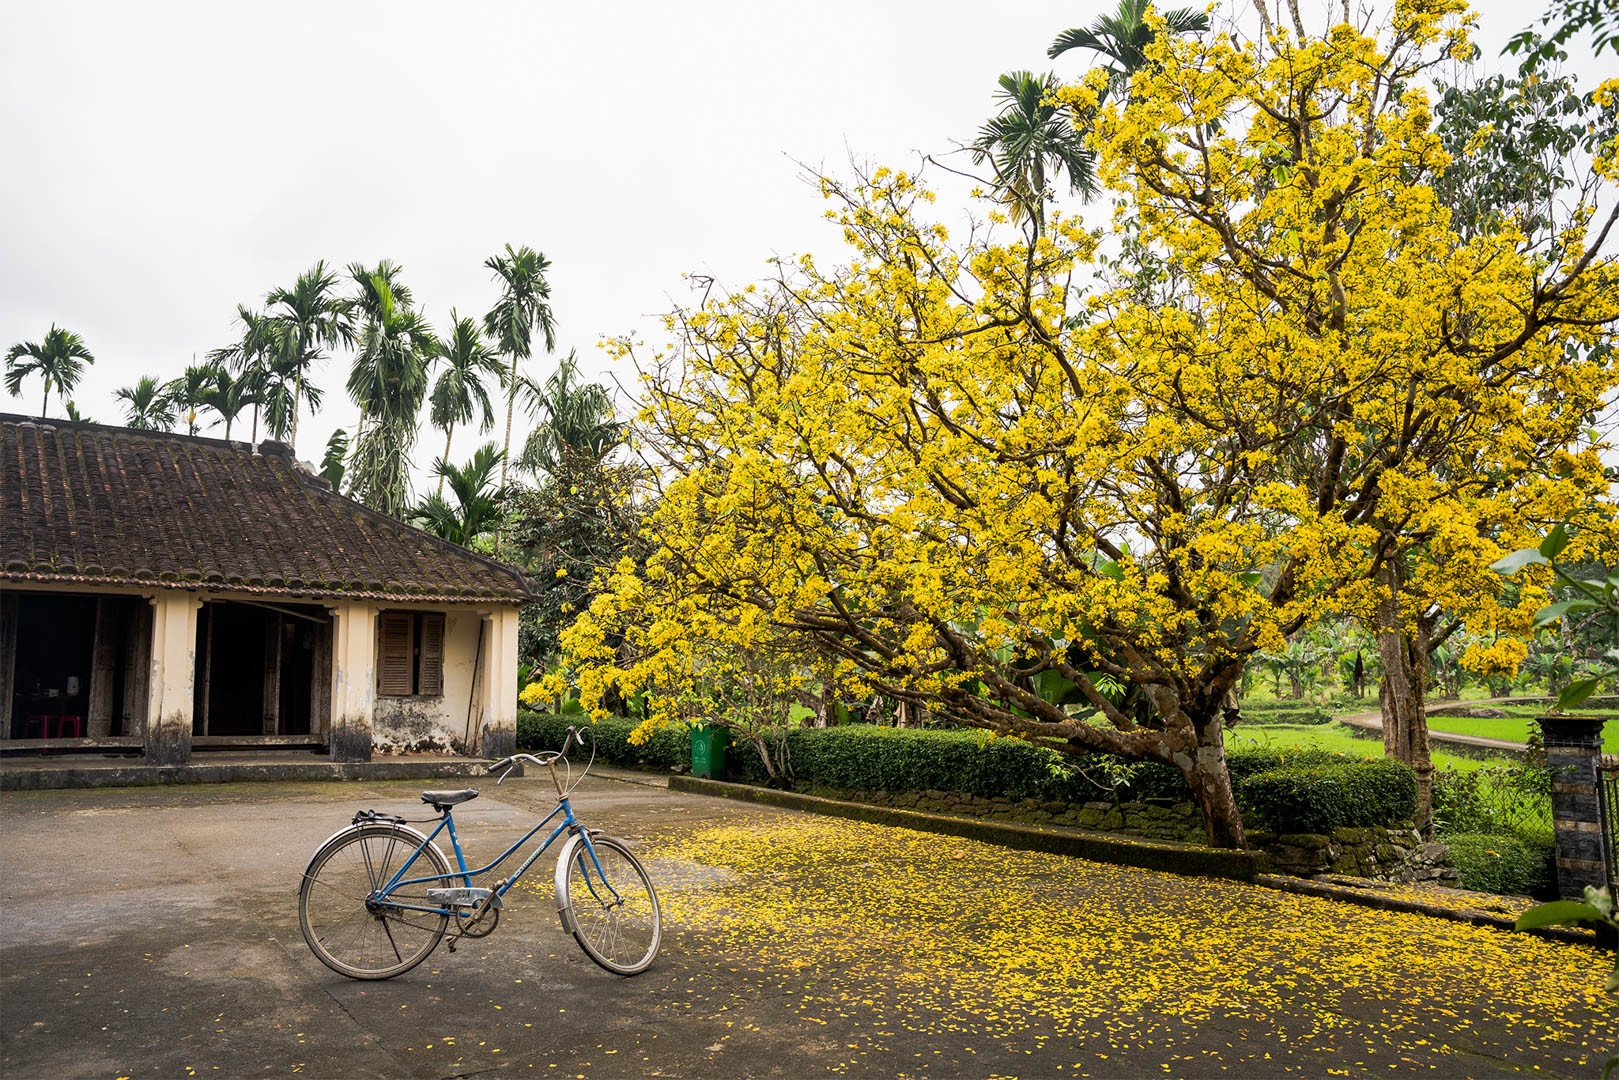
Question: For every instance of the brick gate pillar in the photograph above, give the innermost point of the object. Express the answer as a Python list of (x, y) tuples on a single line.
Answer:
[(1573, 752)]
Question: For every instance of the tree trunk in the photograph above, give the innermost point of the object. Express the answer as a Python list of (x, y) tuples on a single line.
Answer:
[(449, 432), (1205, 773), (511, 403), (1297, 687), (1405, 673), (297, 391)]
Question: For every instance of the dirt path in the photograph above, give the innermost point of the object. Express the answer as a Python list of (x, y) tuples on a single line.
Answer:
[(1373, 721)]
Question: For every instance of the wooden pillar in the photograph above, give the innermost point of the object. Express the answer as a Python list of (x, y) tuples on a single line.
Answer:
[(170, 696), (320, 680), (1573, 754), (8, 658), (272, 673), (205, 676), (138, 639), (103, 662)]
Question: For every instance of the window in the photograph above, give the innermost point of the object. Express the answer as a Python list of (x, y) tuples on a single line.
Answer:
[(410, 654)]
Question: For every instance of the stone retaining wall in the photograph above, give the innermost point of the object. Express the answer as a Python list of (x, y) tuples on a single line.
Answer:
[(1397, 855)]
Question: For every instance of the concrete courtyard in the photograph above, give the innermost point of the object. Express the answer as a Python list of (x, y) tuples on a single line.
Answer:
[(153, 932)]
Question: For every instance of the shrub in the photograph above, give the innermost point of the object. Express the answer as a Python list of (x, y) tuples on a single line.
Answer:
[(1285, 712), (1317, 797), (667, 747), (1510, 799), (1502, 863)]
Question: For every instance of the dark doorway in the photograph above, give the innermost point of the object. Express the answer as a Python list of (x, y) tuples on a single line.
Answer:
[(73, 666), (262, 669), (55, 639), (230, 666)]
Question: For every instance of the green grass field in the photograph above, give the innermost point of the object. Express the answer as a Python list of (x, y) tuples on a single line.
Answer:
[(1335, 738), (1515, 726)]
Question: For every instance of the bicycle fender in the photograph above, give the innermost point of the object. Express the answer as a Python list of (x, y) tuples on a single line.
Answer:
[(347, 829), (565, 860)]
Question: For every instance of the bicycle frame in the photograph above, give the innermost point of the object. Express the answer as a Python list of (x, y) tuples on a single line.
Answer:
[(568, 824)]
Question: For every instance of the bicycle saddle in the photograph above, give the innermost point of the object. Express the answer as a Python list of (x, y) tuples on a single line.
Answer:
[(440, 800)]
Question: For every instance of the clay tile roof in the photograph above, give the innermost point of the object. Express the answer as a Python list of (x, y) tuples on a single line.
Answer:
[(96, 504)]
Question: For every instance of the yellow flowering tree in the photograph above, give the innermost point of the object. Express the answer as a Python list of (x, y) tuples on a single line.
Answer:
[(990, 477)]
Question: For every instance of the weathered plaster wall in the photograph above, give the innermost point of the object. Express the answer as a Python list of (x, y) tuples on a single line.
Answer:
[(354, 680), (477, 712)]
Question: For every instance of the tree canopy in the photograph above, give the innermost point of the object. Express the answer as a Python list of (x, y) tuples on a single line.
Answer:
[(983, 474)]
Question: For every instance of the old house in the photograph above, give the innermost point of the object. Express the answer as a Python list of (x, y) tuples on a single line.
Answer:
[(162, 592)]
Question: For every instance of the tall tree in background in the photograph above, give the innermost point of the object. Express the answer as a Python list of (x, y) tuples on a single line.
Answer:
[(477, 494), (253, 358), (313, 317), (523, 307), (1123, 38), (146, 406), (59, 359), (459, 394), (1030, 143), (575, 420), (188, 394), (227, 395), (388, 381)]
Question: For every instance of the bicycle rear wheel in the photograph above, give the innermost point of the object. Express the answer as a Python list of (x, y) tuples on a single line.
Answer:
[(352, 931), (608, 904)]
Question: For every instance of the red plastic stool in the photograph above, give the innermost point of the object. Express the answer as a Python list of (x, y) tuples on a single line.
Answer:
[(65, 722)]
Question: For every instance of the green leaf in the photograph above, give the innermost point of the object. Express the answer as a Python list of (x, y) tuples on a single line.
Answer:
[(1553, 612), (1558, 911), (1575, 693), (1511, 564), (1555, 542)]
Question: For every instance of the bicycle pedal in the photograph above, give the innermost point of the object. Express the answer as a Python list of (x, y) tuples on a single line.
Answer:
[(463, 896)]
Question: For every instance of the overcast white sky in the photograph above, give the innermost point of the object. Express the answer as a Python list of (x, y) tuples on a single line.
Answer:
[(162, 162)]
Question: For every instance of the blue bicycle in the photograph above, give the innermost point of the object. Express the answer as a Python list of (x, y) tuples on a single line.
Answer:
[(379, 896)]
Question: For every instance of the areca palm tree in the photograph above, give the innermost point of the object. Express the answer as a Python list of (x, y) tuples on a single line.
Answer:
[(524, 305), (575, 420), (59, 358), (146, 405), (227, 395), (252, 357), (477, 495), (388, 381), (1030, 143), (1123, 38), (313, 318), (459, 394), (187, 395)]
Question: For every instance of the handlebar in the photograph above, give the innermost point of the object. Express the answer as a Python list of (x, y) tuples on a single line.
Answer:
[(570, 738)]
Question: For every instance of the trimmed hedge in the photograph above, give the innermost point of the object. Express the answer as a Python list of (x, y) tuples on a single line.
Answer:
[(667, 748), (1277, 787), (1499, 863), (1285, 712), (1318, 798)]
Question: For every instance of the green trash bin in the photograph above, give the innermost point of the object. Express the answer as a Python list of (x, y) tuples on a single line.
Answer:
[(708, 745)]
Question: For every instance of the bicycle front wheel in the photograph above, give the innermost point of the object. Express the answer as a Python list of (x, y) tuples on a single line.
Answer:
[(348, 926), (607, 903)]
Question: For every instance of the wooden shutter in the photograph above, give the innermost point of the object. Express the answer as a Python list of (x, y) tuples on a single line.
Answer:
[(394, 654), (431, 682)]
